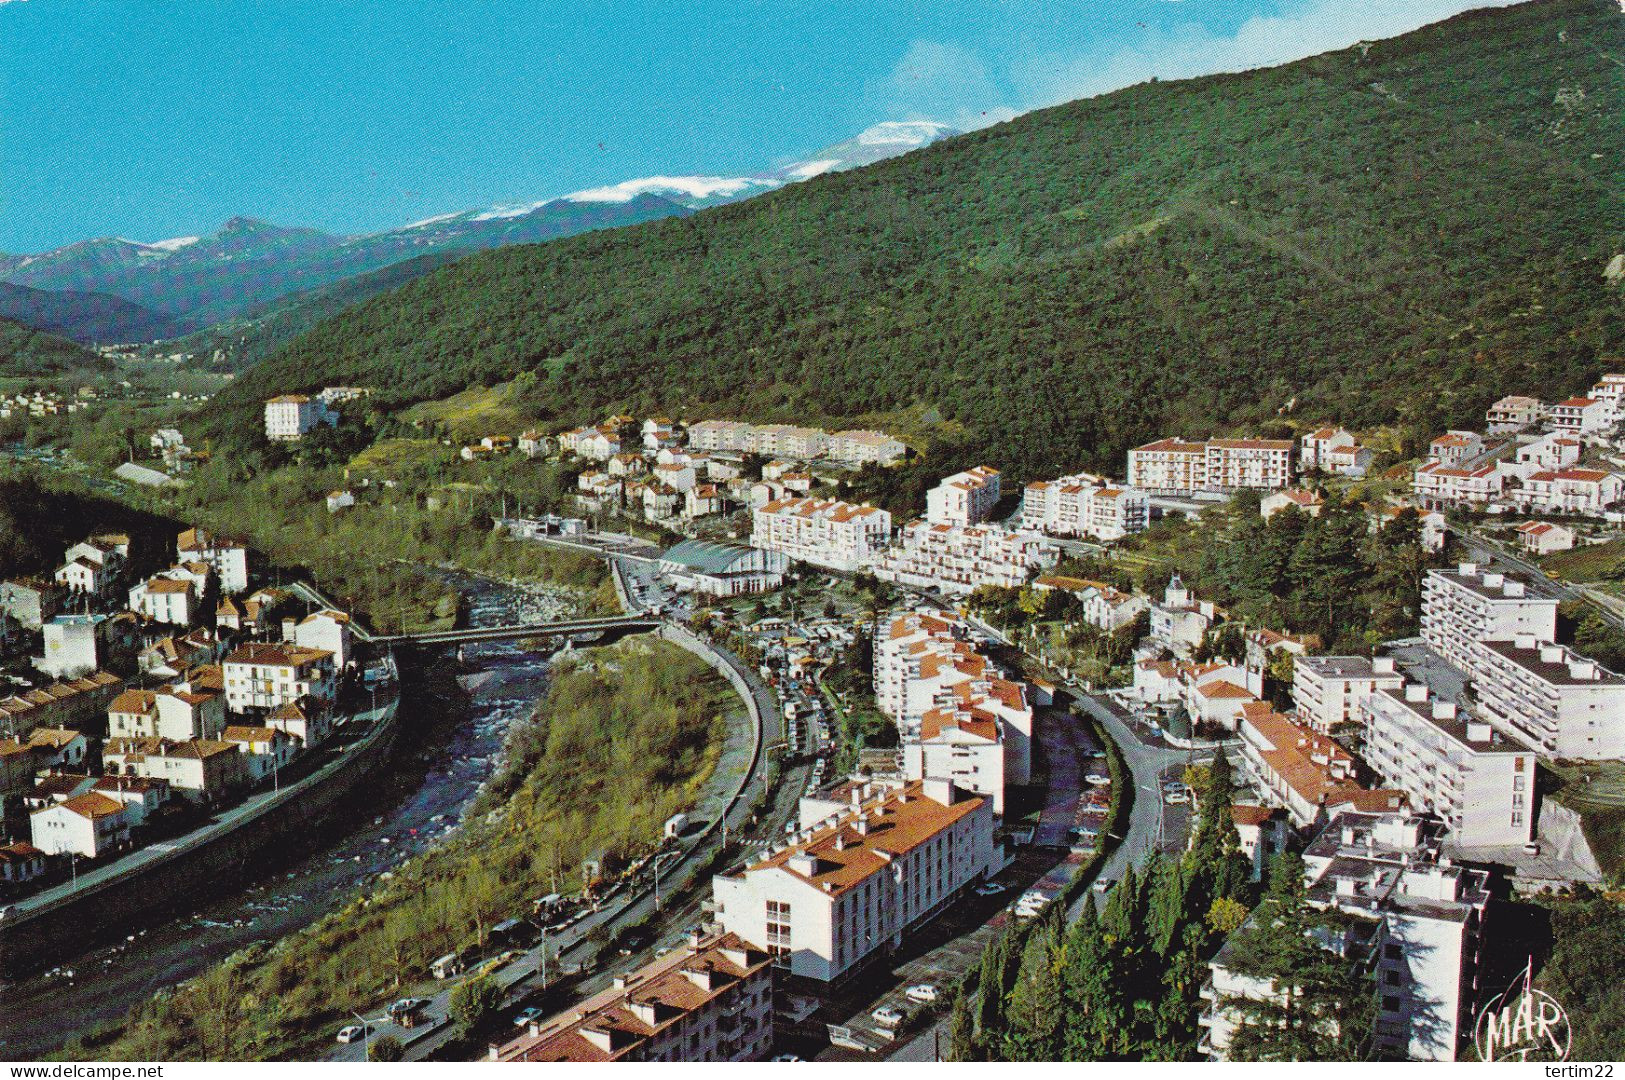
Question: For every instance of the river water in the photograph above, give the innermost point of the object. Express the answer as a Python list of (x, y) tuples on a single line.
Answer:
[(448, 746)]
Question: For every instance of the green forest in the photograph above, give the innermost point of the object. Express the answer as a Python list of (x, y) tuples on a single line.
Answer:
[(27, 353), (1396, 233)]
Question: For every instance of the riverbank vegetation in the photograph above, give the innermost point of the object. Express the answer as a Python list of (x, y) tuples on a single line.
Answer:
[(641, 718)]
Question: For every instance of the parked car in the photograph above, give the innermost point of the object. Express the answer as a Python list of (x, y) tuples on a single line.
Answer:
[(526, 1016), (886, 1016), (925, 993), (1098, 779), (1173, 798), (351, 1033), (990, 888)]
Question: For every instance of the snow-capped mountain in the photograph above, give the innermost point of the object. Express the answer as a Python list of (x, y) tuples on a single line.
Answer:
[(246, 264)]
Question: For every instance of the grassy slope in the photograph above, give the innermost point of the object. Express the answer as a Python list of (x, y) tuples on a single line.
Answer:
[(26, 352), (1192, 256)]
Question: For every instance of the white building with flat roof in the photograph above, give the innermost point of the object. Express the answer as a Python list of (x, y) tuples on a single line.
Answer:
[(1414, 919), (958, 559), (1561, 703), (1470, 603), (290, 417), (870, 863), (1479, 781), (1328, 691)]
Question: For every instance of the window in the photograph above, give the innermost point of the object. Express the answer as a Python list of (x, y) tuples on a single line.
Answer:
[(1390, 978)]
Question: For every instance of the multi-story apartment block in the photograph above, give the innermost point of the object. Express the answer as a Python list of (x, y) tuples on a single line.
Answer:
[(1168, 467), (1561, 703), (965, 498), (1480, 782), (1470, 604), (227, 558), (788, 440), (1327, 691), (710, 1000), (1549, 453), (957, 559), (869, 864), (1438, 486), (1335, 451), (1084, 505), (1413, 918), (864, 447), (953, 708), (824, 532), (167, 600), (1581, 415), (1570, 491), (290, 417), (1514, 413), (260, 676), (727, 435), (1259, 464)]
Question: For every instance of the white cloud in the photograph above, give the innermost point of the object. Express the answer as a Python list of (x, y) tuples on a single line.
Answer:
[(949, 82)]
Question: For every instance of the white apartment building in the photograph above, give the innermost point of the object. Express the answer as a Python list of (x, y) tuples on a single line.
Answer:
[(1570, 491), (199, 770), (868, 865), (965, 498), (824, 532), (1513, 413), (1438, 486), (1416, 921), (1610, 390), (264, 676), (861, 447), (1168, 467), (1335, 451), (1581, 415), (166, 600), (957, 559), (289, 417), (1548, 453), (1259, 464), (1469, 604), (328, 631), (1561, 703), (788, 440), (961, 744), (710, 1000), (1327, 691), (1480, 782), (227, 558), (729, 435), (1084, 505)]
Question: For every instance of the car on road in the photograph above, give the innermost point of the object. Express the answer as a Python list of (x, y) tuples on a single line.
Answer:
[(924, 993), (886, 1016), (1103, 884), (991, 888), (405, 1007), (527, 1016), (351, 1033)]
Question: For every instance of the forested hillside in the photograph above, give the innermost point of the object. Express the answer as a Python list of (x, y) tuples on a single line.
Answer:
[(26, 352), (1398, 232)]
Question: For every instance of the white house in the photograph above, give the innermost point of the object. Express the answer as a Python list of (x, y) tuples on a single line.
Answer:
[(1544, 537), (260, 676), (70, 646), (958, 559), (228, 558), (327, 630), (88, 826), (166, 600), (1306, 501), (290, 417), (1084, 505), (965, 498)]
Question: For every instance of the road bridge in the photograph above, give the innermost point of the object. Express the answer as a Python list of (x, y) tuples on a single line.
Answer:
[(470, 635)]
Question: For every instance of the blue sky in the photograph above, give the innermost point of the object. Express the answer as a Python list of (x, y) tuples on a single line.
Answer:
[(156, 119)]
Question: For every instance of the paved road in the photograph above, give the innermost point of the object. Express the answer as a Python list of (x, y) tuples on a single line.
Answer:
[(1484, 551)]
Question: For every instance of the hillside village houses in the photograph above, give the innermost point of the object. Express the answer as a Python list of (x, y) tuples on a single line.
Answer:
[(1544, 537), (1333, 450), (1084, 505), (1102, 606), (90, 759), (1307, 502)]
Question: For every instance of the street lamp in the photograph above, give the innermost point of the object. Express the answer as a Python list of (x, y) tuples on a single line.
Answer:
[(366, 1035)]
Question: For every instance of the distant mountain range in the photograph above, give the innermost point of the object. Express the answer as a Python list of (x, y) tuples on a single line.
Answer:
[(189, 283)]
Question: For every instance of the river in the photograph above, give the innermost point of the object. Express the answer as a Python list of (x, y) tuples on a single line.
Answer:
[(449, 745)]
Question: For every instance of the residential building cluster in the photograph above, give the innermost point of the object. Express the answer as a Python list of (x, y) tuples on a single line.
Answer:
[(225, 695), (1084, 505), (1217, 466), (1532, 458)]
